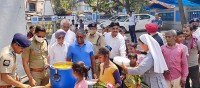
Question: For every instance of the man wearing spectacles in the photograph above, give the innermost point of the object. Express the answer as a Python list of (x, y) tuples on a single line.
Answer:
[(58, 51), (35, 59), (82, 50)]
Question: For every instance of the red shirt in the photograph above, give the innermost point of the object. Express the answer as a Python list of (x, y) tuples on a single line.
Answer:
[(176, 61)]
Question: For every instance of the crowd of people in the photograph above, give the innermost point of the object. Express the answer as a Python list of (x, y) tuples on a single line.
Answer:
[(156, 60)]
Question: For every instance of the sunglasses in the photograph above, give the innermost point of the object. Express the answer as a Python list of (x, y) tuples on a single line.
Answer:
[(81, 37), (60, 37)]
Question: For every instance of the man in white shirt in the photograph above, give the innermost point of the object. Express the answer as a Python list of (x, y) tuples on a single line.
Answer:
[(132, 22), (70, 36), (73, 28), (116, 41), (57, 52)]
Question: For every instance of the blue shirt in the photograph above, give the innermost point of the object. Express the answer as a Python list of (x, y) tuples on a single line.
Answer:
[(81, 53), (158, 22)]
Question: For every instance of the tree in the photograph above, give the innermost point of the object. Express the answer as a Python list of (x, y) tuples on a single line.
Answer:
[(62, 6), (101, 5), (108, 6), (182, 14), (60, 11)]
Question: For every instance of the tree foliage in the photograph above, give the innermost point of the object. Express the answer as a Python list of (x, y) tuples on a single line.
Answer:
[(106, 6), (62, 6), (60, 11), (109, 6)]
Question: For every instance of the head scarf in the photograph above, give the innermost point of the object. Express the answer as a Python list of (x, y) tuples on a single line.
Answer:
[(154, 48), (59, 32)]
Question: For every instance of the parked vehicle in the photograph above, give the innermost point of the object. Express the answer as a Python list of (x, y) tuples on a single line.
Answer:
[(142, 19)]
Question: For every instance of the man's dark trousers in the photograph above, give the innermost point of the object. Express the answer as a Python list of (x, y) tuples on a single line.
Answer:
[(132, 33)]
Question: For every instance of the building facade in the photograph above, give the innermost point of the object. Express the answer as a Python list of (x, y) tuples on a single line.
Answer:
[(34, 7)]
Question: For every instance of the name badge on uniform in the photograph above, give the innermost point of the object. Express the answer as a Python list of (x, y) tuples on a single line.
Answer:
[(6, 62)]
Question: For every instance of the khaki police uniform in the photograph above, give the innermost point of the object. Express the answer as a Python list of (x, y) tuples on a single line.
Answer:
[(98, 41), (37, 55), (8, 64)]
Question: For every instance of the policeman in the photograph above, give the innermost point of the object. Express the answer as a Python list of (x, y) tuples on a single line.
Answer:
[(35, 59), (8, 62), (96, 39), (195, 25), (132, 23)]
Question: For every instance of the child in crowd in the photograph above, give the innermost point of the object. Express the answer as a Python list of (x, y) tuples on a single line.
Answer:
[(179, 39), (122, 31), (131, 81), (80, 71), (131, 47), (109, 72)]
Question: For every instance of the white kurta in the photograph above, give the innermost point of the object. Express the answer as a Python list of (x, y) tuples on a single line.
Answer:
[(58, 53)]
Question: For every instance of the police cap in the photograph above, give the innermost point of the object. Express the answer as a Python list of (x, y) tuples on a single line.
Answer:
[(93, 24), (21, 40), (194, 20)]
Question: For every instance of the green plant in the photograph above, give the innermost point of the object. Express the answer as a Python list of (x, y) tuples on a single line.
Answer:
[(100, 84)]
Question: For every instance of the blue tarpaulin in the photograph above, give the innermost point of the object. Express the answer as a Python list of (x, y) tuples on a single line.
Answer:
[(174, 3)]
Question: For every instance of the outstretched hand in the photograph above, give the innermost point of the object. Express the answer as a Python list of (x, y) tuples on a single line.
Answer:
[(124, 68)]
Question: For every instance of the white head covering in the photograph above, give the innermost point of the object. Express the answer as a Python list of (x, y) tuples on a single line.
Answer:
[(154, 48), (59, 32)]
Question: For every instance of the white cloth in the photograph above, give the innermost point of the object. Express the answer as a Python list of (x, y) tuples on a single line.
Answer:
[(117, 44), (154, 48), (197, 33), (70, 37), (132, 20), (73, 28), (58, 53)]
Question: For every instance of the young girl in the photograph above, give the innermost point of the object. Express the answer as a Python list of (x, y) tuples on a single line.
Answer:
[(132, 81), (80, 71), (109, 72)]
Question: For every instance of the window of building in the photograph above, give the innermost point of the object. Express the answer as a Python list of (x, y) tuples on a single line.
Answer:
[(167, 16), (32, 7), (193, 14)]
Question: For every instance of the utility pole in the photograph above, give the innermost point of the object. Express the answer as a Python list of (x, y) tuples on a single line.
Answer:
[(182, 14), (97, 9)]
